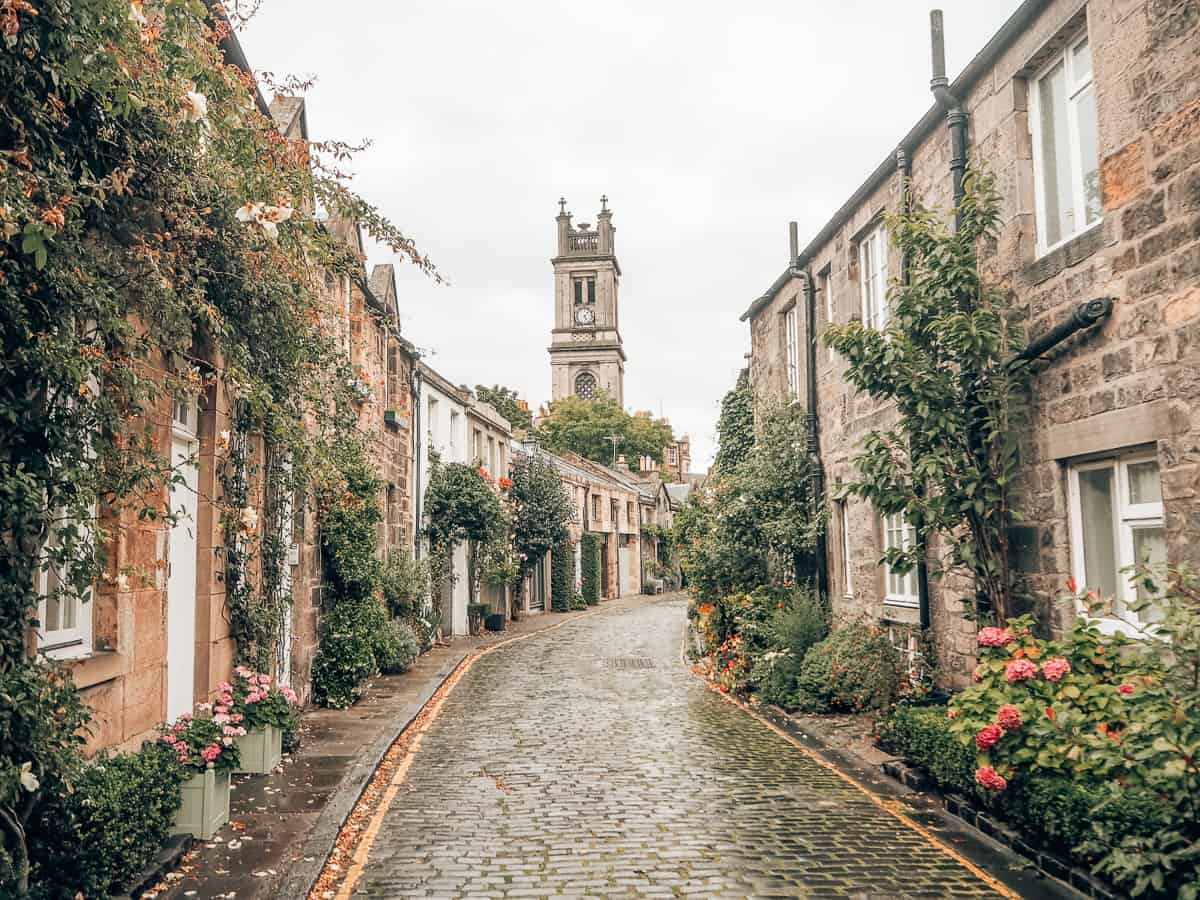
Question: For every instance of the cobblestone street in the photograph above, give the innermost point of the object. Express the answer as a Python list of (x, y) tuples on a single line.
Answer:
[(589, 761)]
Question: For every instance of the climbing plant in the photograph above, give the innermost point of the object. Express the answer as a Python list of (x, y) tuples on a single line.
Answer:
[(943, 360), (562, 575), (589, 567), (735, 425), (542, 509)]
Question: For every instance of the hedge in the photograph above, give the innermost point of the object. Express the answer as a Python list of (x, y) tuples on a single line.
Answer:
[(107, 830), (1055, 812), (590, 567), (562, 576)]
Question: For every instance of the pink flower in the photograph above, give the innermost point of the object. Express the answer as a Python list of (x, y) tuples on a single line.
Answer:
[(952, 714), (233, 731), (221, 718), (989, 779), (182, 757), (226, 699), (185, 717), (253, 697), (178, 727), (227, 741), (1125, 688), (168, 739), (994, 637), (290, 695), (1020, 670), (220, 710), (224, 687), (236, 717), (264, 679), (1055, 668), (211, 752), (1009, 717), (988, 736)]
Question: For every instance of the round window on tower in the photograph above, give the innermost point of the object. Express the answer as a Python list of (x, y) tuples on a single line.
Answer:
[(585, 385)]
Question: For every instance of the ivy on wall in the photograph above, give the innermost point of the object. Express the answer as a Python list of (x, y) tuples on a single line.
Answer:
[(589, 567)]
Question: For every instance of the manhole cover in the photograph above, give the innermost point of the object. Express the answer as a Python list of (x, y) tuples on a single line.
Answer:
[(628, 662)]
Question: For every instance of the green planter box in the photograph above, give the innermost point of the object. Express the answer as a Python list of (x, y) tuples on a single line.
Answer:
[(260, 750), (205, 805)]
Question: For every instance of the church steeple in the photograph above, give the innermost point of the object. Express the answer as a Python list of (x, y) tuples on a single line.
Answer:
[(586, 353)]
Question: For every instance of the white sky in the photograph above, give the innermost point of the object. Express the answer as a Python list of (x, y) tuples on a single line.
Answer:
[(709, 127)]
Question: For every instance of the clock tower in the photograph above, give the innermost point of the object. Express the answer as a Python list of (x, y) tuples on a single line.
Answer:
[(586, 356)]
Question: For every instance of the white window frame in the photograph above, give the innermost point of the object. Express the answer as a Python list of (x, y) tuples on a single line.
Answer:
[(66, 643), (901, 588), (1127, 517), (873, 276), (1075, 89), (847, 566), (791, 346)]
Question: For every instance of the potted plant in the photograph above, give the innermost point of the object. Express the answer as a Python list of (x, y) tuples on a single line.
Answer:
[(263, 710), (207, 751)]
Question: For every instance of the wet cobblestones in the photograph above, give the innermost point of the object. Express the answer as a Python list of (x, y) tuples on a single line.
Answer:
[(552, 772)]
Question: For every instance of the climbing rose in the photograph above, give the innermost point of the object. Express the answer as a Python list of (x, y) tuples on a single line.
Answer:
[(987, 777), (1009, 717), (1049, 711), (1055, 668), (1125, 688), (994, 637), (1020, 670), (988, 736)]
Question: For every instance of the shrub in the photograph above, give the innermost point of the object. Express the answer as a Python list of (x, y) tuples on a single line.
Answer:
[(95, 839), (853, 669), (577, 601), (590, 567), (404, 582), (795, 622), (922, 735), (562, 575), (396, 648), (347, 656)]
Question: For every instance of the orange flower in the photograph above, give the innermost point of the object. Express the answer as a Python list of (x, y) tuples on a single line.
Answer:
[(1033, 652), (1019, 653)]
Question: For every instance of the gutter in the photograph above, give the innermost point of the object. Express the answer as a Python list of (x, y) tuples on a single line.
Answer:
[(975, 69)]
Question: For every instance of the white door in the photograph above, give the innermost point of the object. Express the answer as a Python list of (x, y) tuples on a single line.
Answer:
[(628, 576), (181, 586)]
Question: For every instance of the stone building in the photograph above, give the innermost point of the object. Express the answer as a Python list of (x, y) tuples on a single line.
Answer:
[(587, 358), (1089, 117), (457, 427)]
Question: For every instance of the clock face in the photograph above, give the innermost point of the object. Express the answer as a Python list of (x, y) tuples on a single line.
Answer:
[(585, 316)]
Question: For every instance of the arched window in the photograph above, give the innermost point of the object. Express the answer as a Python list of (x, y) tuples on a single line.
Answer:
[(585, 385)]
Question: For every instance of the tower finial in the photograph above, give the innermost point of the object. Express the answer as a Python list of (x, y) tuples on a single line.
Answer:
[(562, 206), (604, 203)]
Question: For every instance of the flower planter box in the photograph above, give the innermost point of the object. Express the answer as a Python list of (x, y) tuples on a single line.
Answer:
[(260, 750), (205, 805)]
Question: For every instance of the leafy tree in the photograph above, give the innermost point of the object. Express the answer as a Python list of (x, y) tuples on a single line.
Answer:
[(542, 509), (735, 427), (506, 402), (584, 427), (949, 461)]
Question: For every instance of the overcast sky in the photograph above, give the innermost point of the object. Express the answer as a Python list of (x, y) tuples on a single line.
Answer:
[(708, 126)]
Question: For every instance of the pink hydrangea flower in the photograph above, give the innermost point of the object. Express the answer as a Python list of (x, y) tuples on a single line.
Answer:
[(1009, 717), (221, 718), (1020, 670), (290, 695), (225, 687), (220, 710), (226, 699), (989, 779), (264, 679), (1125, 688), (168, 739), (1055, 668), (227, 741), (185, 717), (994, 637), (211, 752), (236, 717), (253, 697), (988, 736)]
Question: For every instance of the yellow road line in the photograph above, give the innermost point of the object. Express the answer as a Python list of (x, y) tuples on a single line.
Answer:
[(429, 714), (891, 807)]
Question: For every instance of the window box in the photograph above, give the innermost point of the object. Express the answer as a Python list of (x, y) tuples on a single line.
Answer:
[(394, 420), (205, 805), (261, 750)]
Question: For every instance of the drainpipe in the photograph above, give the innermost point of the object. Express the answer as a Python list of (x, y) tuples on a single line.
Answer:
[(1085, 315), (956, 115), (904, 170), (820, 574), (418, 447)]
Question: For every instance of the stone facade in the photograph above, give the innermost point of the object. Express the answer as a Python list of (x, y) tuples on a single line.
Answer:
[(586, 353), (1124, 393)]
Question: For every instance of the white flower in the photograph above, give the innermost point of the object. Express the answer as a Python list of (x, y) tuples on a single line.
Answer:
[(29, 781), (223, 440), (251, 212), (249, 518), (195, 105), (269, 228), (135, 12), (277, 213), (227, 741)]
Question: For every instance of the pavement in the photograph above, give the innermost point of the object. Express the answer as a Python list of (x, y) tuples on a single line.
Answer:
[(589, 761), (283, 826)]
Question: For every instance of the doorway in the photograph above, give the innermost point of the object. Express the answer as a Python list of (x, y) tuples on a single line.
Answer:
[(181, 570)]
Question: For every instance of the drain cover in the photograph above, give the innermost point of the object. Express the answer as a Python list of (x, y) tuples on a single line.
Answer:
[(628, 662)]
